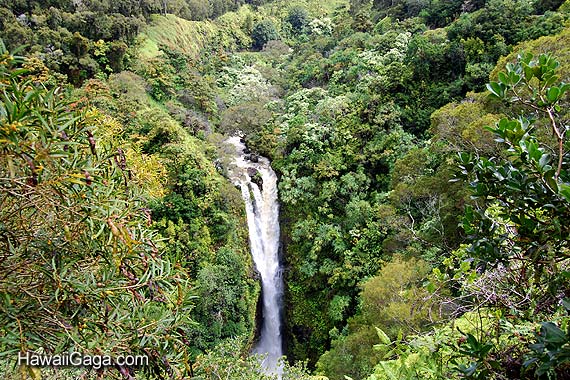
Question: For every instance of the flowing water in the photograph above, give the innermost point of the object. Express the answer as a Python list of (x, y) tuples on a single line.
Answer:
[(258, 183)]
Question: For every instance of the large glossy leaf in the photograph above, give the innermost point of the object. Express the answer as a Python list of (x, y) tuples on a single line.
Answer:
[(497, 89), (565, 191), (552, 334), (382, 336), (553, 94)]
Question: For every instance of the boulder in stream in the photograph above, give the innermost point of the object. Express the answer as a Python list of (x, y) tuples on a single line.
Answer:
[(255, 177)]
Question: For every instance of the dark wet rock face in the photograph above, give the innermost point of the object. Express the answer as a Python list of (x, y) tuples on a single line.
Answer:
[(255, 177), (252, 157)]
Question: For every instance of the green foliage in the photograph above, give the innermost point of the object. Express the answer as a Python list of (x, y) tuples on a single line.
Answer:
[(342, 104), (351, 355), (228, 360), (421, 357), (557, 43), (392, 302), (81, 270), (138, 219), (517, 224), (298, 17), (462, 348), (224, 307), (244, 85), (79, 43), (263, 32), (481, 365), (199, 215), (552, 349), (356, 76), (459, 127), (441, 13), (160, 77), (529, 187)]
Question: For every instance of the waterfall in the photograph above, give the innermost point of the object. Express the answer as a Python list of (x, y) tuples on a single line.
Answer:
[(258, 183)]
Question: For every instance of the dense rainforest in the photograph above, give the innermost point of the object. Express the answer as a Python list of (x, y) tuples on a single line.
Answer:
[(424, 186)]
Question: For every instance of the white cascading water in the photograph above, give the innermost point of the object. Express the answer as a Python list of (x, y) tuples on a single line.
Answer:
[(262, 208)]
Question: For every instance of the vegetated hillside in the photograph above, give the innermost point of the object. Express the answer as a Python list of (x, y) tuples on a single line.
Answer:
[(191, 37), (119, 235), (419, 243), (359, 184), (231, 31), (482, 312)]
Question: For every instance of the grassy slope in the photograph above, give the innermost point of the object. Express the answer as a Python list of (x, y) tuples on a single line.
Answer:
[(191, 36)]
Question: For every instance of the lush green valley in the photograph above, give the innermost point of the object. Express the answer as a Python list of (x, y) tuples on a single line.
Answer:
[(424, 186)]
